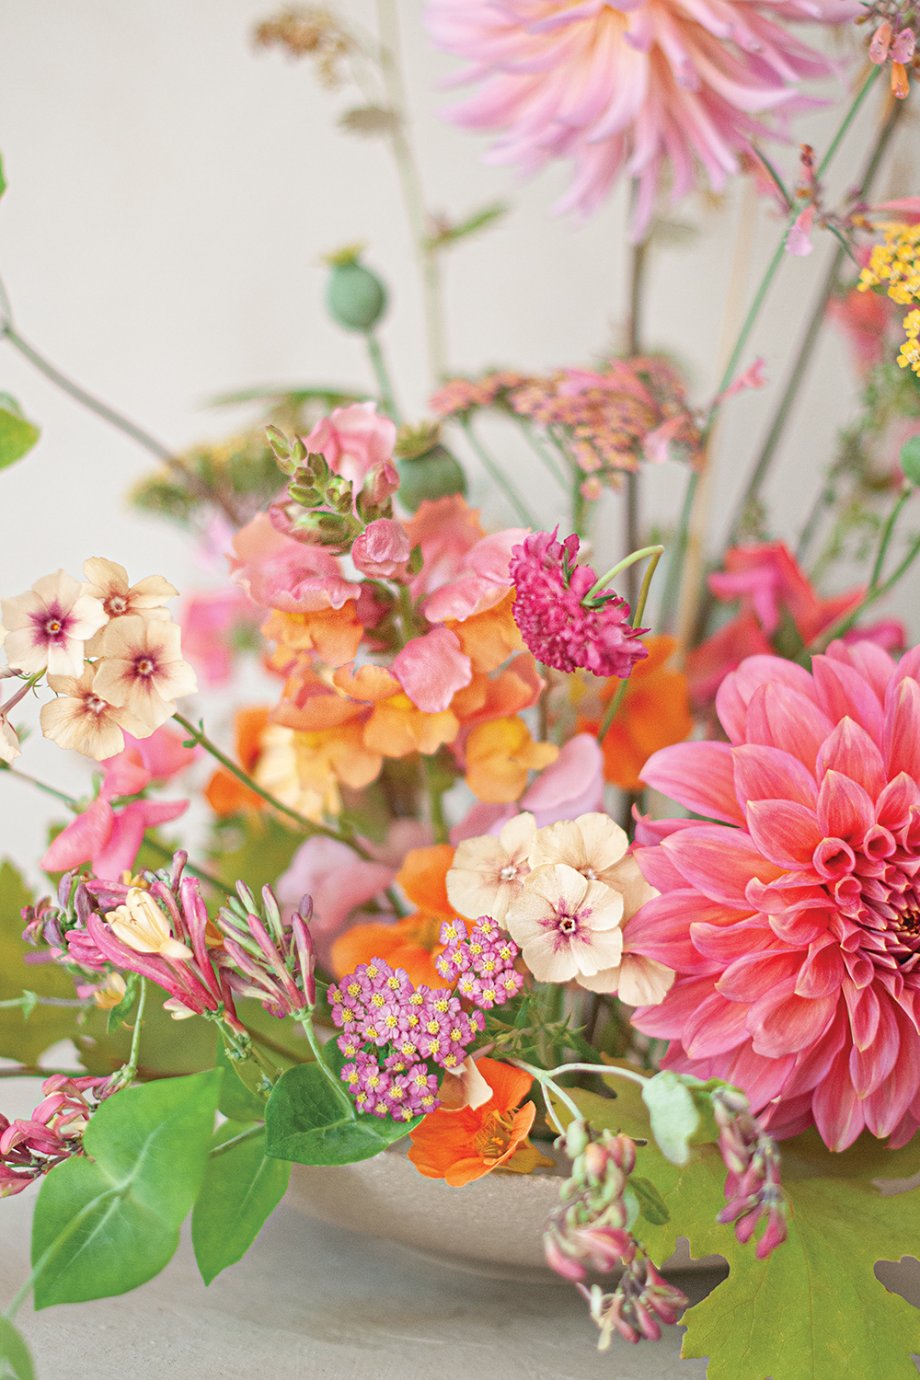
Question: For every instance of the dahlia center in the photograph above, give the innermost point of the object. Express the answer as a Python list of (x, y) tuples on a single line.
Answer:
[(879, 890)]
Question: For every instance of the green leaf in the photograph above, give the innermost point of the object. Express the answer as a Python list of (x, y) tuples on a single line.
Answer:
[(24, 1040), (910, 459), (814, 1310), (310, 1121), (14, 1354), (122, 1011), (17, 437), (470, 225), (106, 1223), (237, 1101), (651, 1204), (241, 1189), (673, 1112)]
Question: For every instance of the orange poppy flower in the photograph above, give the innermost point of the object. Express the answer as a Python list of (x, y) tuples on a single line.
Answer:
[(225, 793), (655, 713), (462, 1146)]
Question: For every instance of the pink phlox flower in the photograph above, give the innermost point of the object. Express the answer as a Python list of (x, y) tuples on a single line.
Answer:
[(562, 626), (49, 626), (656, 91), (789, 912), (278, 572)]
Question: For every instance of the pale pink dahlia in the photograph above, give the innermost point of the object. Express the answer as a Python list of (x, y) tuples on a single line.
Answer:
[(639, 86), (793, 923)]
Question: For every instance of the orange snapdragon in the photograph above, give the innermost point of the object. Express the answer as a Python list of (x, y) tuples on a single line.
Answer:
[(499, 756), (464, 1145)]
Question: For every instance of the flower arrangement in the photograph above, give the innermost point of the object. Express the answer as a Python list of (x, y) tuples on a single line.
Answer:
[(435, 908)]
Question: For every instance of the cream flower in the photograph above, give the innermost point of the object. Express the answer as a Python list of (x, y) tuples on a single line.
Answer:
[(637, 980), (49, 626), (278, 771), (107, 581), (110, 993), (141, 925), (593, 844), (82, 720), (142, 670), (9, 741), (488, 872), (567, 927)]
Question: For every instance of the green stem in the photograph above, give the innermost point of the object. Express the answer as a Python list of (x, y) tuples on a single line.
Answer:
[(493, 469), (29, 1000), (60, 1240), (543, 452), (887, 534), (638, 264), (306, 1020), (439, 823), (249, 1134), (636, 620), (118, 421), (198, 736), (68, 800), (872, 595), (381, 373), (128, 1072), (655, 552)]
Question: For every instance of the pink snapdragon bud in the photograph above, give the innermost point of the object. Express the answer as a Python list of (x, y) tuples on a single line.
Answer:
[(382, 550)]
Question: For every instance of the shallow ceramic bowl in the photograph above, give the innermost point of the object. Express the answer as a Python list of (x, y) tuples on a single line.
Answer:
[(492, 1226)]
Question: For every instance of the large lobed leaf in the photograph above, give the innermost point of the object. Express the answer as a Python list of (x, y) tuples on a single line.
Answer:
[(815, 1309)]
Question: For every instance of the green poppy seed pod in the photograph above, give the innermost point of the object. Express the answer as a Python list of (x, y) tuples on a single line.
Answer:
[(355, 297), (432, 475)]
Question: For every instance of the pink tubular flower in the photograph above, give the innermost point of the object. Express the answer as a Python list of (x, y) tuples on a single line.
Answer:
[(354, 441), (267, 957), (382, 550), (793, 921), (649, 88), (216, 624), (562, 625), (54, 1132)]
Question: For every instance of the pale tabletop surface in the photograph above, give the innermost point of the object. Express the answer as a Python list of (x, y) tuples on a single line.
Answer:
[(310, 1302)]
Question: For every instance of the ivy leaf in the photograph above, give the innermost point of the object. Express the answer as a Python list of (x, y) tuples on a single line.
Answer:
[(814, 1310), (241, 1189), (17, 436), (651, 1204), (109, 1221), (674, 1114), (14, 1354), (25, 1034), (311, 1122)]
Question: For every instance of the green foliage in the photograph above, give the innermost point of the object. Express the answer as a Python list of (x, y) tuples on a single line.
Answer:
[(814, 1310), (673, 1114), (24, 1040), (910, 459), (241, 1189), (482, 219), (310, 1121), (169, 1047), (14, 1354), (110, 1221), (3, 183), (17, 436), (237, 1101)]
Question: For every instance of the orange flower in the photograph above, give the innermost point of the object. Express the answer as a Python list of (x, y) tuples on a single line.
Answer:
[(462, 1146), (225, 793), (412, 943), (655, 713), (490, 637), (306, 769), (332, 635), (515, 688), (395, 728), (499, 755)]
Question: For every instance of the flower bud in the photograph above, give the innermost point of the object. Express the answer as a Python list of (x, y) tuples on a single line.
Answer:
[(355, 297), (436, 474)]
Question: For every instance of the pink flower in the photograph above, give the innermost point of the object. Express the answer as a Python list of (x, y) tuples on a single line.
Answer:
[(566, 926), (382, 550), (562, 624), (354, 441), (572, 785), (482, 582), (792, 921), (431, 669), (54, 1132), (446, 529), (141, 670), (49, 626), (658, 89), (214, 623), (338, 881), (280, 573)]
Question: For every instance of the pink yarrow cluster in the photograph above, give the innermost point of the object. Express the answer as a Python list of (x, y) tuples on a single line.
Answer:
[(561, 624), (54, 1132), (481, 962), (393, 1031)]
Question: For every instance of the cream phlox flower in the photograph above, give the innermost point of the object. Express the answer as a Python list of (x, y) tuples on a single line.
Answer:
[(141, 670), (9, 741), (597, 847), (488, 872), (108, 582), (82, 720), (142, 925), (567, 927), (49, 625)]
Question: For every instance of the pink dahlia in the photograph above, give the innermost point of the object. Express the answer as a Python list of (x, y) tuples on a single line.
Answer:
[(639, 86), (793, 921), (562, 624)]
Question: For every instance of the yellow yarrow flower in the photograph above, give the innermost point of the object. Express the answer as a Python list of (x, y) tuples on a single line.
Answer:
[(895, 264)]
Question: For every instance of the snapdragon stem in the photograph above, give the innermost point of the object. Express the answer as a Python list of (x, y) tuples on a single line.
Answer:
[(117, 420), (309, 826), (495, 472)]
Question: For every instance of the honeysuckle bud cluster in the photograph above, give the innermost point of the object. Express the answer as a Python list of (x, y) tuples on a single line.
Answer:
[(753, 1187), (590, 1233), (54, 1131), (266, 956), (895, 40)]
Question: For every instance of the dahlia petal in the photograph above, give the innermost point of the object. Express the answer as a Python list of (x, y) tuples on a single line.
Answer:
[(864, 1009), (781, 717), (667, 1020), (869, 1067), (756, 975), (718, 861), (845, 810), (822, 971), (782, 1023), (658, 870), (723, 943), (845, 694), (761, 1079), (765, 773), (813, 1065), (872, 663), (902, 730), (852, 752), (662, 930), (783, 831), (896, 801), (839, 1113), (715, 1027), (737, 689), (699, 776)]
